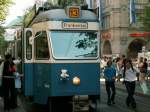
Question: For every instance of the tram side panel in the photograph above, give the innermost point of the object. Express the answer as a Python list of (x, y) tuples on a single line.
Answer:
[(28, 79), (42, 82)]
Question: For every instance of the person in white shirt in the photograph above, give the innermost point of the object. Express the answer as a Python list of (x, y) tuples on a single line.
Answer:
[(129, 74)]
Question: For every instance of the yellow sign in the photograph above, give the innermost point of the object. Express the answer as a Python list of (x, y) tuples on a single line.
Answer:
[(74, 12)]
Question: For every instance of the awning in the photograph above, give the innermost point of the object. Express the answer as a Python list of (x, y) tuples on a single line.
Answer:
[(145, 34)]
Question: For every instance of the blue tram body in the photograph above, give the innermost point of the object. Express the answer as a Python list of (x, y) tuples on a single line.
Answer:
[(50, 83), (61, 56)]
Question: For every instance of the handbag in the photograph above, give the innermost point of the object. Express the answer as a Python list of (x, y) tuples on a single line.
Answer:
[(144, 87)]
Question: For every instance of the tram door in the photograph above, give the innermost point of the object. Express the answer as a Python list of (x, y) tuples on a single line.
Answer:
[(41, 67), (28, 62)]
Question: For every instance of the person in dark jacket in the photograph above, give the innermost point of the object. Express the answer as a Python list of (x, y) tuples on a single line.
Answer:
[(110, 76), (8, 83), (145, 67)]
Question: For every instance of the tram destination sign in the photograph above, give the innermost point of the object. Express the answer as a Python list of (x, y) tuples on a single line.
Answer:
[(74, 25)]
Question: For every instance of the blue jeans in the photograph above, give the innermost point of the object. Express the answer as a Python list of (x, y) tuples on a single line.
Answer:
[(111, 90)]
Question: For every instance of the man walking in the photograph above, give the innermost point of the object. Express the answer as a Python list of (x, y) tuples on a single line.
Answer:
[(110, 76)]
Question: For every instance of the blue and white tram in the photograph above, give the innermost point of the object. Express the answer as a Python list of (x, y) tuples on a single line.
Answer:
[(61, 56)]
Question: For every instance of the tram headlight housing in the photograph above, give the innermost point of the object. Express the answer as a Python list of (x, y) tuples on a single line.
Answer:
[(76, 81)]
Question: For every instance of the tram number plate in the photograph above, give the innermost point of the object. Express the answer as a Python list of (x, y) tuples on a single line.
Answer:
[(74, 12)]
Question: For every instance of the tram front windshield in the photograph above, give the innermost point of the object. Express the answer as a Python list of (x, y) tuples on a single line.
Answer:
[(74, 45)]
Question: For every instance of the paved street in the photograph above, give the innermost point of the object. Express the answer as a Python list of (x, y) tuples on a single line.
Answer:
[(143, 103), (25, 106), (19, 109)]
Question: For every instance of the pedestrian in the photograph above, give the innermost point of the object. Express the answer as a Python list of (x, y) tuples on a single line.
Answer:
[(141, 69), (145, 67), (120, 63), (15, 105), (129, 74), (8, 83), (110, 76), (143, 72), (118, 67)]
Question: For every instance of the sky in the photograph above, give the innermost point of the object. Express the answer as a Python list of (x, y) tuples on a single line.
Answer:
[(18, 9)]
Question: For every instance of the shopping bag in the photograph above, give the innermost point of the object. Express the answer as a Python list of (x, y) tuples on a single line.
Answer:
[(17, 81), (144, 87)]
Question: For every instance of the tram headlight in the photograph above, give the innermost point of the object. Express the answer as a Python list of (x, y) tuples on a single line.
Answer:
[(76, 81)]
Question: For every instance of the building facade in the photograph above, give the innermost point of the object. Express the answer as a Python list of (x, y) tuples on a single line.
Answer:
[(120, 33)]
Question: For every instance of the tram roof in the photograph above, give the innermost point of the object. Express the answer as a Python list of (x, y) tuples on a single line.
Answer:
[(60, 15)]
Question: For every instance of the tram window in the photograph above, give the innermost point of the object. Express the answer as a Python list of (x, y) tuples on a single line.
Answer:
[(74, 44), (28, 45), (41, 46)]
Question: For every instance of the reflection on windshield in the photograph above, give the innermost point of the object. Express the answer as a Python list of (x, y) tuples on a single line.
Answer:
[(71, 45)]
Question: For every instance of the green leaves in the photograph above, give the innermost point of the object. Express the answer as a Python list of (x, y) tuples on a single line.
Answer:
[(3, 43), (147, 18), (87, 42), (69, 2), (4, 5), (2, 31)]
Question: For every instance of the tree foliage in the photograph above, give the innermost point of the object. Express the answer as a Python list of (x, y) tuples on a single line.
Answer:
[(146, 18), (3, 46), (4, 5), (88, 42), (66, 2), (2, 30), (3, 43)]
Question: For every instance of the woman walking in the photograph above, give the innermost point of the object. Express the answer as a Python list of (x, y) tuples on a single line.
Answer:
[(129, 74)]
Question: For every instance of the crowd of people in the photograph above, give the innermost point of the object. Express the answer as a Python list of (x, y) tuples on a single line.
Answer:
[(129, 70), (140, 63)]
